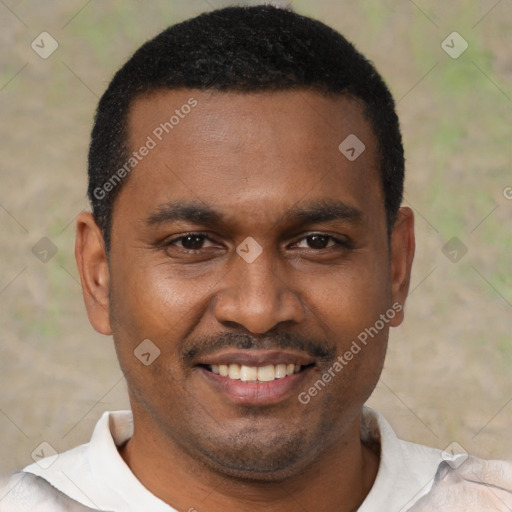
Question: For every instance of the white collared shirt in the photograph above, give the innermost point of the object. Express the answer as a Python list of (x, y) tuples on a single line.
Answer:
[(95, 476)]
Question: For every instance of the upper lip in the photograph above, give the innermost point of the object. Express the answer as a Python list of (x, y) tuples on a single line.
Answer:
[(254, 357)]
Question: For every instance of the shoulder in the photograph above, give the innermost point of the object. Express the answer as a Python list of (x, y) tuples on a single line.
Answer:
[(74, 473), (427, 479), (400, 458), (26, 492), (470, 485), (69, 475), (406, 470)]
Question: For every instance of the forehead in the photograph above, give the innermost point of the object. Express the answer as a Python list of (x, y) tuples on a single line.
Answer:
[(186, 117), (251, 151)]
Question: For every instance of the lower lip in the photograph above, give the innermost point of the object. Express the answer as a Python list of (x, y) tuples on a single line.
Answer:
[(258, 393)]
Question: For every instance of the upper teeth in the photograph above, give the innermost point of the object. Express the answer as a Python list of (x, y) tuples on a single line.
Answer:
[(255, 373)]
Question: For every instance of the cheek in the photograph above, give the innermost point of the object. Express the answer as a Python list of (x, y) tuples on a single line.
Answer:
[(151, 304), (351, 299), (351, 309), (349, 306), (151, 300)]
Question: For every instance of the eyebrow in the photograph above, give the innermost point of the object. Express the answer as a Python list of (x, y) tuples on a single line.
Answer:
[(190, 211), (199, 213), (324, 211)]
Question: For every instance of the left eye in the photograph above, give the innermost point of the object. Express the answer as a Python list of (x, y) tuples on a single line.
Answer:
[(317, 242), (191, 242)]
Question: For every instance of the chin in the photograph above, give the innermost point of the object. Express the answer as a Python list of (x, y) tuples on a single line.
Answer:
[(257, 470), (249, 457)]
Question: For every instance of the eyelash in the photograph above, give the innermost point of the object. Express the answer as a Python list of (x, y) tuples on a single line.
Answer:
[(168, 243), (340, 243)]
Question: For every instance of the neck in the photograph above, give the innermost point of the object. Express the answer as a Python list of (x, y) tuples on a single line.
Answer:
[(339, 479)]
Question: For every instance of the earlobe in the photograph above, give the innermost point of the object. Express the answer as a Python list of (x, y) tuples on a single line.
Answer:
[(402, 255), (92, 264)]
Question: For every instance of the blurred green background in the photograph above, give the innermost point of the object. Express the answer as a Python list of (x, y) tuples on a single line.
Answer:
[(448, 373)]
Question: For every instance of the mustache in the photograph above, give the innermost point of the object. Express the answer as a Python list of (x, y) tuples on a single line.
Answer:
[(206, 345)]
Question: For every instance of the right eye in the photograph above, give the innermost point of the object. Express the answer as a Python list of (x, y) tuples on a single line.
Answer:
[(189, 242)]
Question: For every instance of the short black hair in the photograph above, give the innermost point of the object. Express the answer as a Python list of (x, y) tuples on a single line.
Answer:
[(242, 49)]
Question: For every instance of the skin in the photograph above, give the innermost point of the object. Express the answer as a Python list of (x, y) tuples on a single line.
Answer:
[(256, 159)]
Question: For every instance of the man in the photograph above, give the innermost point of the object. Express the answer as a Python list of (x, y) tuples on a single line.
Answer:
[(248, 253)]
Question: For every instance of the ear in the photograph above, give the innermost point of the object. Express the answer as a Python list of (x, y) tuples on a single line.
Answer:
[(92, 264), (402, 254)]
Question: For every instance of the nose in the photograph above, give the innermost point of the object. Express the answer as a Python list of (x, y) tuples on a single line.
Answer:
[(257, 296)]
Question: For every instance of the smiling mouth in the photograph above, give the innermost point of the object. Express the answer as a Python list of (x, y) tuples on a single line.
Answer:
[(267, 373)]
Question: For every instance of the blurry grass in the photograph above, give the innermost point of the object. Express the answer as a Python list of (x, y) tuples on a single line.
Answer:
[(376, 17), (463, 93), (8, 71), (505, 350), (113, 24), (46, 323)]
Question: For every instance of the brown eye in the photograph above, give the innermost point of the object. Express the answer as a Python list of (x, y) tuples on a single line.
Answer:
[(192, 242), (316, 242)]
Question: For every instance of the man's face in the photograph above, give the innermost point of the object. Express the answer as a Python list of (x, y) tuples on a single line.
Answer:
[(246, 239)]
